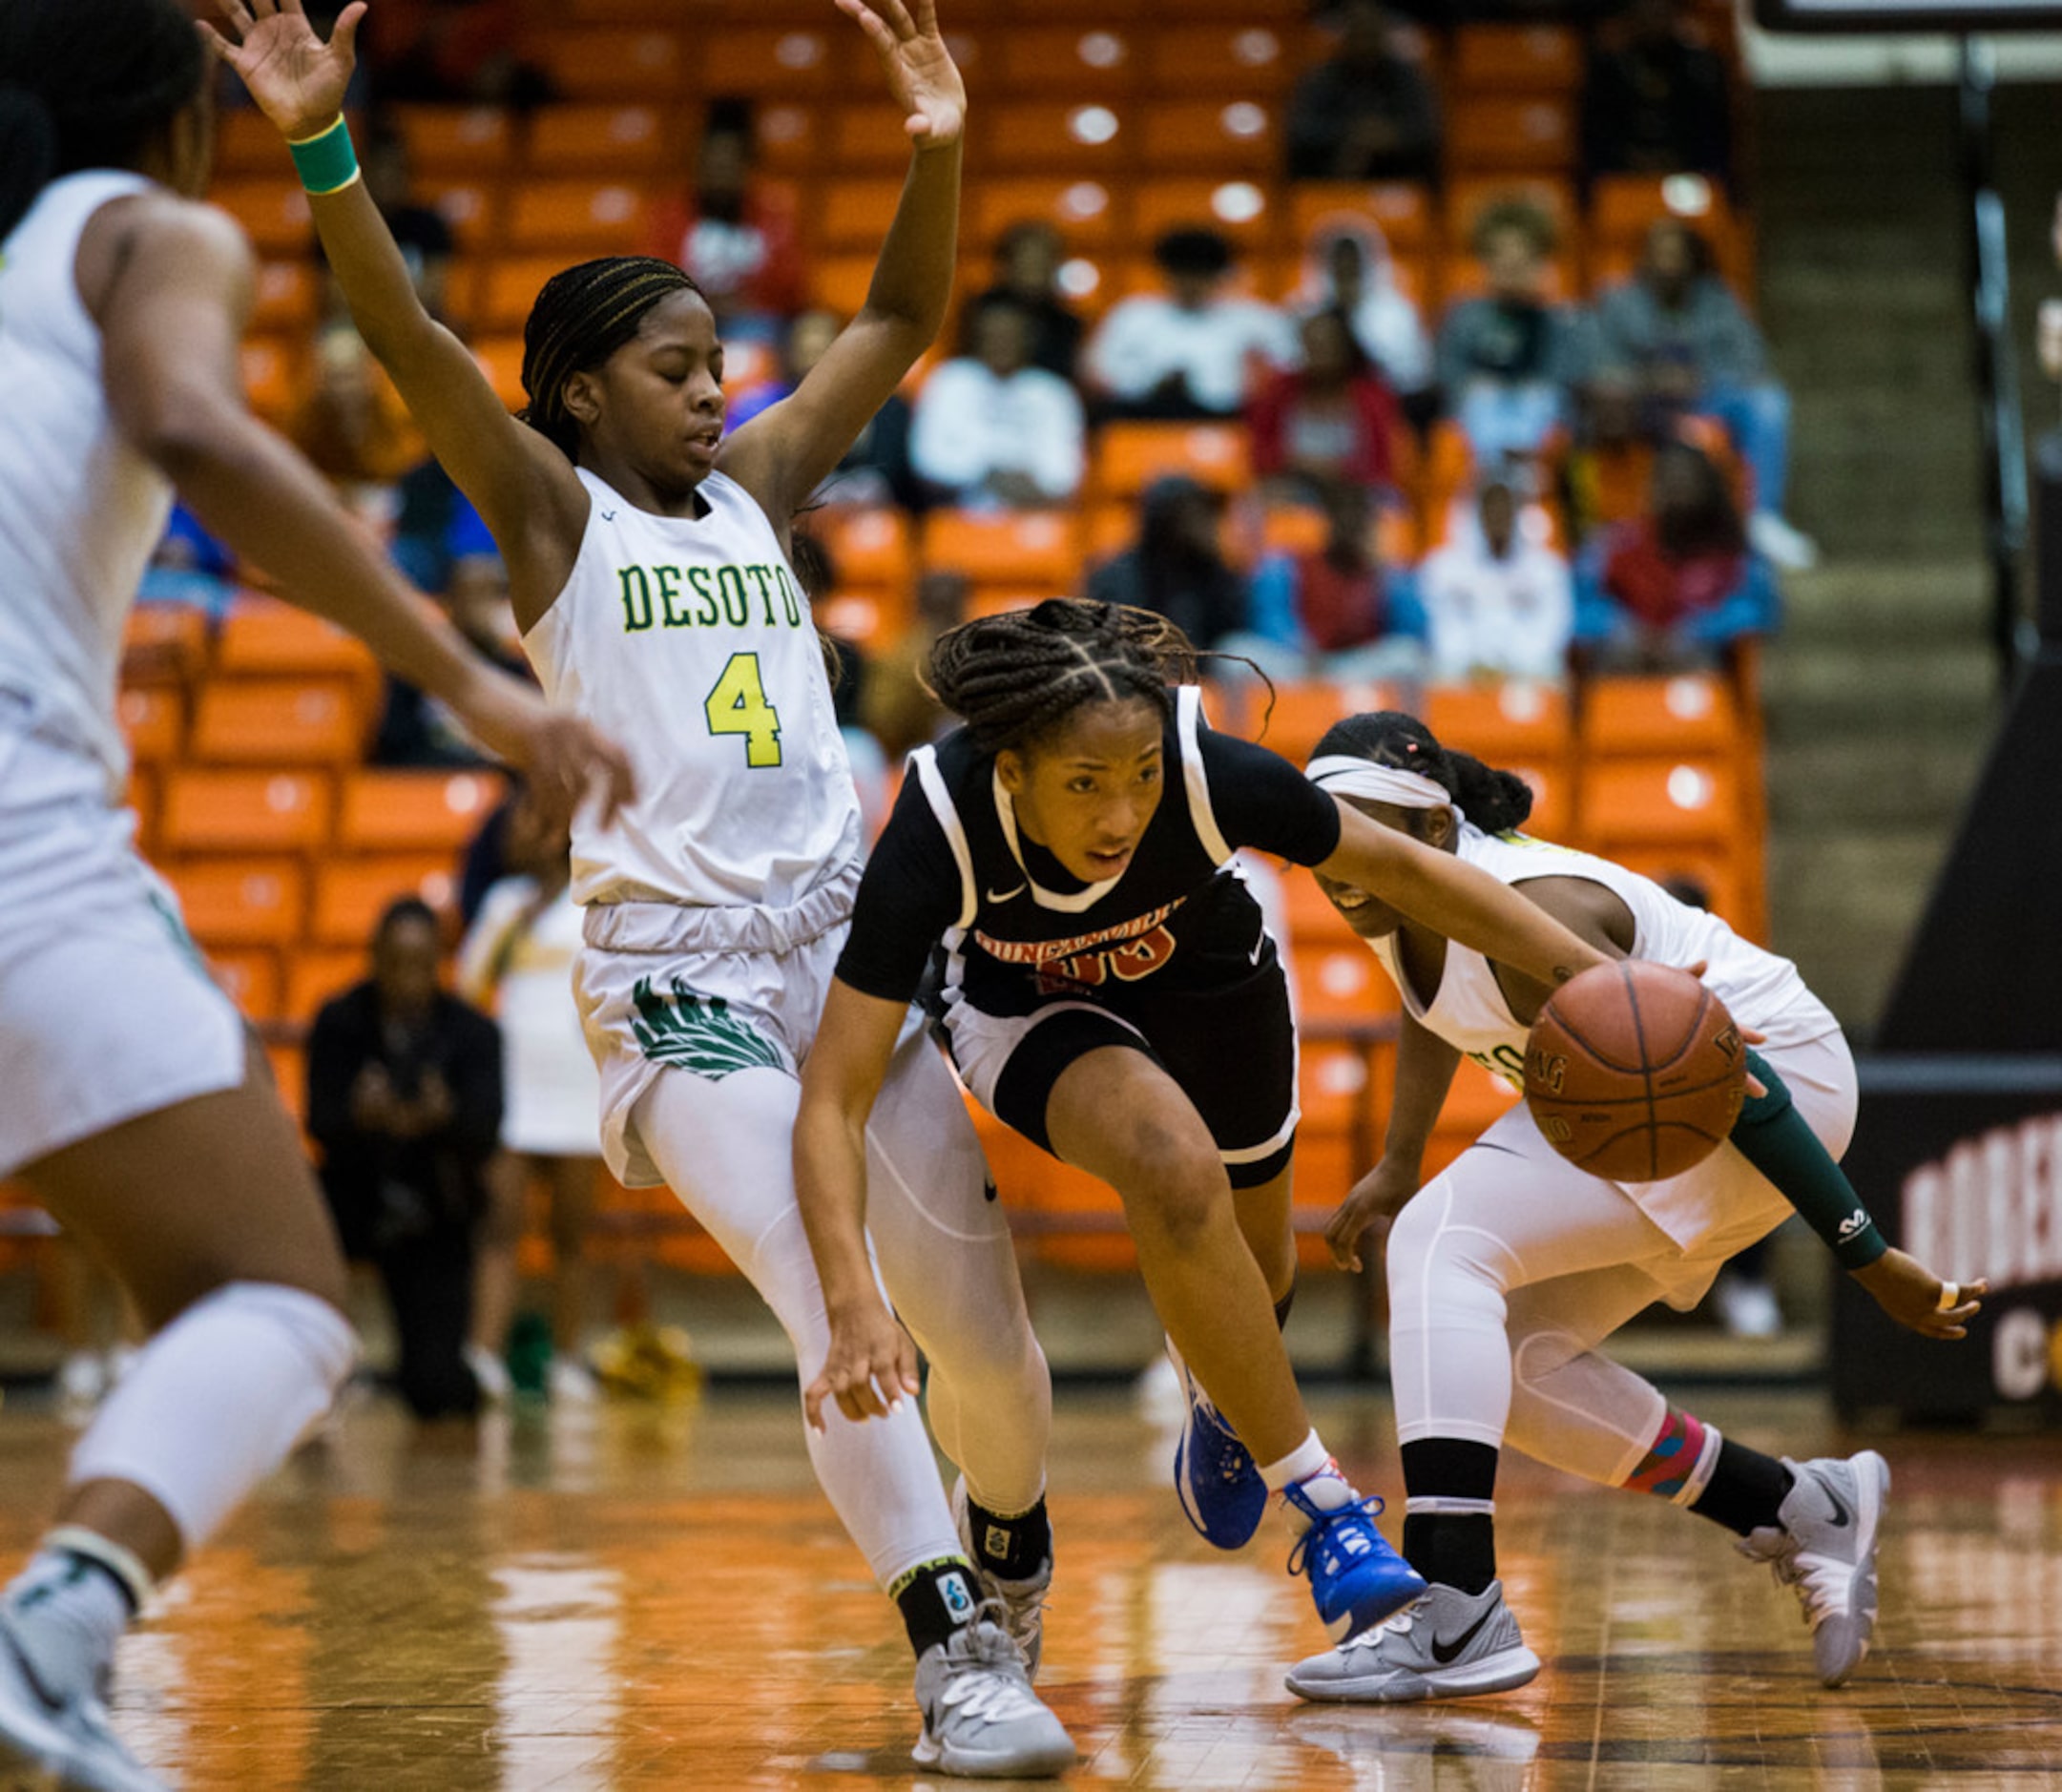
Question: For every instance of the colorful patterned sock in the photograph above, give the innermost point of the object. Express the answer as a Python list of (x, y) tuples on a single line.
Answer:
[(1679, 1461)]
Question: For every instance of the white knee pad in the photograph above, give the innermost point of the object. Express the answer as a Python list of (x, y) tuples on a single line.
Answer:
[(218, 1398)]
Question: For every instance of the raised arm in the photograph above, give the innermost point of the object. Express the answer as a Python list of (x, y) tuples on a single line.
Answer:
[(168, 285), (787, 450), (525, 489), (872, 1363)]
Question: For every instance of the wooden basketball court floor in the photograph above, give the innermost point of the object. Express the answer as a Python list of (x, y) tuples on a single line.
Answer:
[(642, 1598)]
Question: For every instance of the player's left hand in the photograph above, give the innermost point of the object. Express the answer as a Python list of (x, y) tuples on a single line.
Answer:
[(565, 761), (296, 79), (921, 72), (1918, 1299), (871, 1367)]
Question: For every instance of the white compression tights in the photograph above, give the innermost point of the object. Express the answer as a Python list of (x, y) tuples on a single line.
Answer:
[(945, 1254)]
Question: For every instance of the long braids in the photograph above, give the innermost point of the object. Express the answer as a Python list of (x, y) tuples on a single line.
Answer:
[(1497, 802), (1013, 679), (87, 86), (583, 315)]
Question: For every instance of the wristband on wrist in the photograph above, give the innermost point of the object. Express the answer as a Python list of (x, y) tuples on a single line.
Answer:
[(1772, 1137), (327, 162)]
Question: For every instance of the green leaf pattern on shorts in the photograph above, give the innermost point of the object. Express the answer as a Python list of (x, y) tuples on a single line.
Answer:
[(698, 1033)]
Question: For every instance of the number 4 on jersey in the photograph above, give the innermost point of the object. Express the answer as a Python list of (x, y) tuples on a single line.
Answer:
[(738, 705)]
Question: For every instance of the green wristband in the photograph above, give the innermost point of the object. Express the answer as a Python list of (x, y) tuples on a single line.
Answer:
[(326, 161)]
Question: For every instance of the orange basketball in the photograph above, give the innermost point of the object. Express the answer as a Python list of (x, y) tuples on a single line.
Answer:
[(1635, 1072)]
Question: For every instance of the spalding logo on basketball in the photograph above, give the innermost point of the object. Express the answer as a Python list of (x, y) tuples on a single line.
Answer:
[(1635, 1072)]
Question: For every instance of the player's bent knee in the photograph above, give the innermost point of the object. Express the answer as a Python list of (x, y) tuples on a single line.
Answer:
[(1178, 1191)]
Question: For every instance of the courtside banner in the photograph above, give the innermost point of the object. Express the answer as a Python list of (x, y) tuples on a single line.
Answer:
[(1959, 1158)]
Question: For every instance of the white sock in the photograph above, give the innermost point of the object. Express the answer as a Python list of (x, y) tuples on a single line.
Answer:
[(1310, 1468), (66, 1614), (216, 1399)]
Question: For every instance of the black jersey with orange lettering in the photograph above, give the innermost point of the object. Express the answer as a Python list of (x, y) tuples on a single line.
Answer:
[(952, 874)]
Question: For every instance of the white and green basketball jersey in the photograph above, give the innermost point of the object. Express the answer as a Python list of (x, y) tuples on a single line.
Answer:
[(689, 642)]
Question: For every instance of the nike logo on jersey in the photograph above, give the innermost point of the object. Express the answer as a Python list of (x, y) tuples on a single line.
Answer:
[(1260, 946), (1006, 895), (1444, 1652), (1855, 1224), (608, 517)]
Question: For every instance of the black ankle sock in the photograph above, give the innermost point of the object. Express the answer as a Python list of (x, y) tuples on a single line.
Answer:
[(1745, 1488), (1010, 1548), (1455, 1549), (936, 1599), (1284, 1306)]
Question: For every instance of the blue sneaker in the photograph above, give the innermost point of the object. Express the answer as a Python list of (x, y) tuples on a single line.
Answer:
[(1221, 1488), (1356, 1579)]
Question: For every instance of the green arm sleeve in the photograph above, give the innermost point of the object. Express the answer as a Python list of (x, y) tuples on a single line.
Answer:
[(1772, 1136)]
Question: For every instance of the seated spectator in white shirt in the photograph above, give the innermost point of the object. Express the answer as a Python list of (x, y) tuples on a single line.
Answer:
[(994, 431), (1499, 600), (1348, 266), (1187, 351)]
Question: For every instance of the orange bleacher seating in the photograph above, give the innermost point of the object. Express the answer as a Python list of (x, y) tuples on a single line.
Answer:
[(1088, 213), (1051, 1194), (1623, 207), (1055, 137), (787, 137), (351, 894), (248, 143), (1036, 550), (141, 797), (251, 977), (1242, 211), (501, 360), (1477, 1100), (276, 722), (869, 547), (790, 62), (1340, 984), (1672, 801), (1081, 59), (1534, 133), (448, 141), (271, 370), (244, 811), (1687, 714), (507, 288), (584, 63), (1468, 197), (1312, 920), (1553, 785), (840, 282), (241, 902), (1303, 709), (867, 138), (1399, 209), (1720, 875), (265, 638), (314, 975), (163, 643), (853, 215), (1218, 137), (1231, 58), (422, 812), (1516, 59), (285, 297), (1517, 719), (273, 210), (609, 142), (289, 1067), (871, 619), (577, 217), (470, 205), (153, 717), (1128, 456)]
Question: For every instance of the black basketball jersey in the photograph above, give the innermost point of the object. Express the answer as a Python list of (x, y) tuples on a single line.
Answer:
[(1015, 930)]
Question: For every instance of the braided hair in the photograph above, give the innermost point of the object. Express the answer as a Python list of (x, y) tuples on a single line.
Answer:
[(1014, 678), (1493, 801), (581, 318), (87, 86)]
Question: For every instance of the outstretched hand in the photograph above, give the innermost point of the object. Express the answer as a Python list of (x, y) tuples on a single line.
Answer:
[(921, 72), (1918, 1299), (296, 78)]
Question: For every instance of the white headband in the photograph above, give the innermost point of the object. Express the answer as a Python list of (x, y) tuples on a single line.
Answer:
[(1342, 774)]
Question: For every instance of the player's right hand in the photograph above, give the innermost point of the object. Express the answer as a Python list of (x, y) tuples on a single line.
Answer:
[(296, 78), (1372, 1204), (870, 1365), (1913, 1296)]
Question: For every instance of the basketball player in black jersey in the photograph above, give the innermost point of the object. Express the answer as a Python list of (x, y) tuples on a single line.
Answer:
[(1105, 984)]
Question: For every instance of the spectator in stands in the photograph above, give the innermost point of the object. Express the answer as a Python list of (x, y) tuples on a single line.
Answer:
[(1028, 261), (451, 52), (1498, 603), (1186, 352), (1337, 611), (1177, 568), (1674, 588), (898, 708), (1330, 421), (992, 431), (1654, 101), (1509, 362), (420, 232), (516, 964), (1348, 267), (349, 421), (404, 1107), (733, 232), (1367, 115), (1676, 331)]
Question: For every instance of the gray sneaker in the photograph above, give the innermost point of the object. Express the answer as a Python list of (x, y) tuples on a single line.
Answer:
[(70, 1743), (1448, 1644), (981, 1718), (1826, 1552), (1023, 1601)]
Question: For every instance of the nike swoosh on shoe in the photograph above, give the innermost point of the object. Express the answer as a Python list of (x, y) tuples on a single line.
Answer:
[(1444, 1652)]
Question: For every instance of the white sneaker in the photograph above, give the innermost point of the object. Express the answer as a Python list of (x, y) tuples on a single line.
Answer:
[(1747, 1308), (70, 1743), (1826, 1552), (981, 1718), (569, 1382), (492, 1374), (1450, 1644), (1783, 542), (1023, 1601)]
